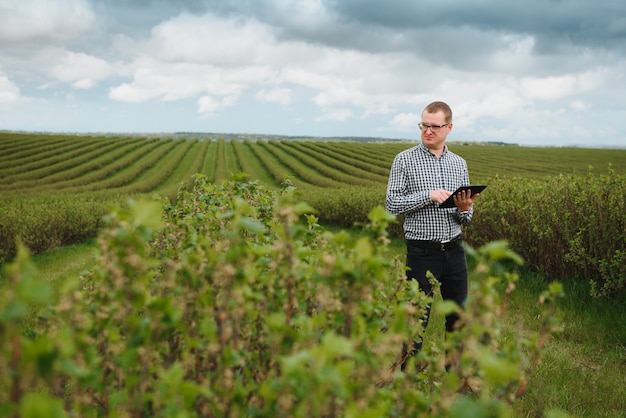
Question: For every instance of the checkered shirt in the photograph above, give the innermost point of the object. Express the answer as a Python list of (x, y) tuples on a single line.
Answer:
[(414, 173)]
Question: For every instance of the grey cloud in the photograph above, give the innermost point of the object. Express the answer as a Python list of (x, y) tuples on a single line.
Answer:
[(50, 23), (599, 23), (460, 34), (137, 17), (457, 34), (377, 26)]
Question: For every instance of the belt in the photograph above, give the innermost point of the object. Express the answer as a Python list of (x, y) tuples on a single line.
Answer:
[(434, 245)]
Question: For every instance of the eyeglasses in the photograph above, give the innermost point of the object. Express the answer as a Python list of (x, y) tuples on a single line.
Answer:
[(434, 128)]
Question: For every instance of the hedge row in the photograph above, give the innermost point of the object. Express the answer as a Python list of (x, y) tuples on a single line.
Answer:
[(44, 222), (565, 226)]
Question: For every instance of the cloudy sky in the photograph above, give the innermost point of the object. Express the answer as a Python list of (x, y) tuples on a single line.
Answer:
[(533, 72)]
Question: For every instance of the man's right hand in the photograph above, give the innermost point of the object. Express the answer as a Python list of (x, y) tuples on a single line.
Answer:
[(439, 195)]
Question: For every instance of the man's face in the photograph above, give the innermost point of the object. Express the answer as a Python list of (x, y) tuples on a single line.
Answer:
[(434, 139)]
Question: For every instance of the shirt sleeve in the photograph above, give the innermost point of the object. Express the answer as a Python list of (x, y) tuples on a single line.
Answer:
[(465, 218), (398, 200)]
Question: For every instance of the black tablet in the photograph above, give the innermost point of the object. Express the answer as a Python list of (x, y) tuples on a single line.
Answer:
[(449, 202)]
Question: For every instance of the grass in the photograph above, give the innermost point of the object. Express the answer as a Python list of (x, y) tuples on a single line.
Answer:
[(584, 368), (66, 261), (583, 371)]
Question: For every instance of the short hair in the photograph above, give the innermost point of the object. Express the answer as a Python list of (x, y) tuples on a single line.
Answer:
[(435, 107)]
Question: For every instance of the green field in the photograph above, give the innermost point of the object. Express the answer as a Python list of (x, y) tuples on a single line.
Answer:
[(35, 163), (56, 188)]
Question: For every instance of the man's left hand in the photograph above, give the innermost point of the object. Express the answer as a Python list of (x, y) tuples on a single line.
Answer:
[(464, 199)]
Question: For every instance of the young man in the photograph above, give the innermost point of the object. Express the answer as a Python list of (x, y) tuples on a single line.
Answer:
[(421, 178)]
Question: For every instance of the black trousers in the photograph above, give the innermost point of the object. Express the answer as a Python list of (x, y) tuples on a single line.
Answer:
[(449, 267)]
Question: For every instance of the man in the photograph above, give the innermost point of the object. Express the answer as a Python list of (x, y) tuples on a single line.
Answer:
[(421, 178)]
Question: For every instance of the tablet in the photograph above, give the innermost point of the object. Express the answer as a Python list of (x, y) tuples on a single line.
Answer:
[(449, 202)]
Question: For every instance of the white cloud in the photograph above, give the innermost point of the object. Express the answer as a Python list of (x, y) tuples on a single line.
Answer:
[(208, 39), (303, 76), (282, 96), (548, 88), (9, 92), (81, 70), (335, 115), (207, 105), (406, 122), (44, 20), (188, 56), (579, 105), (171, 81), (218, 59), (126, 92), (191, 56), (556, 87), (515, 55)]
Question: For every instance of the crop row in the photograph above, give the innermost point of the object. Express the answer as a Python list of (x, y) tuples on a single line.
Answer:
[(137, 165), (15, 149), (68, 166), (41, 163)]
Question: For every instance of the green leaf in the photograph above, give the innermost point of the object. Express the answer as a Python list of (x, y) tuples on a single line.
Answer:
[(556, 413), (337, 345), (499, 250), (445, 307), (173, 376), (296, 362), (12, 311), (40, 405), (148, 214), (363, 249), (379, 214), (303, 209), (252, 225), (497, 370)]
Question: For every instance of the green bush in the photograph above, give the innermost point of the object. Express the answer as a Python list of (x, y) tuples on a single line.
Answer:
[(49, 221), (233, 301), (564, 226), (347, 206)]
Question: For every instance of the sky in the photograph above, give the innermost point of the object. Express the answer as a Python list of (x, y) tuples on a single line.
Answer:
[(531, 72)]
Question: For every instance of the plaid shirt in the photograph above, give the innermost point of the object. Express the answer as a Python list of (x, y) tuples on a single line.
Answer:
[(414, 173)]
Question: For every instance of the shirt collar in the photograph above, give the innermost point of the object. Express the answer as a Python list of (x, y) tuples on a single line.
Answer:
[(423, 148)]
